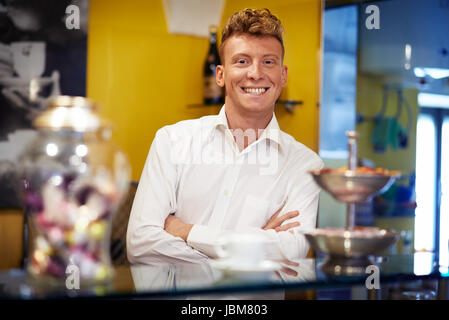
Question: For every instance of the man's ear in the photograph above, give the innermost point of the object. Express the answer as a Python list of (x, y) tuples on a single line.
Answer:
[(284, 76), (219, 76)]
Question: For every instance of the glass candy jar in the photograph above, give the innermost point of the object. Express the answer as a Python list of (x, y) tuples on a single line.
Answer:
[(72, 178)]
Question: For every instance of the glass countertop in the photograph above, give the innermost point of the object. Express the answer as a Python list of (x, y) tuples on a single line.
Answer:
[(210, 279)]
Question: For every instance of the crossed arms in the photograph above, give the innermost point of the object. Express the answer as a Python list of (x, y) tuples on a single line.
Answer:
[(157, 233)]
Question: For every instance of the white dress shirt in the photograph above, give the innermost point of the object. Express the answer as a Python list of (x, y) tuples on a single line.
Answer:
[(195, 170)]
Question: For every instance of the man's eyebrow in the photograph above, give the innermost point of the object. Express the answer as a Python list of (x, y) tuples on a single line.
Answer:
[(242, 54), (271, 55)]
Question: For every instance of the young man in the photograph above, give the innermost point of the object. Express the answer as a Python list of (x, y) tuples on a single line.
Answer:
[(235, 172)]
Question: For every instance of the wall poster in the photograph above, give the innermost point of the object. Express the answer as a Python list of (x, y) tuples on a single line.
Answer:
[(43, 52)]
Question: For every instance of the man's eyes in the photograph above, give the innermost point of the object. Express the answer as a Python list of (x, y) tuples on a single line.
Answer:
[(267, 62)]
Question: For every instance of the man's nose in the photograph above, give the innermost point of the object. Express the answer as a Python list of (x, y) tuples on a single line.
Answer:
[(255, 72)]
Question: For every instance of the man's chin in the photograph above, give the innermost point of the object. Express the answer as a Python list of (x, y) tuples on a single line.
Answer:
[(258, 107), (251, 106)]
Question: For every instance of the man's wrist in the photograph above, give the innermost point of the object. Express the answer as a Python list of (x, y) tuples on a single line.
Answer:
[(186, 232)]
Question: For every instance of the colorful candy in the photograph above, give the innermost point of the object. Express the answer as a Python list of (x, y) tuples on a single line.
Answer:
[(72, 217), (72, 178)]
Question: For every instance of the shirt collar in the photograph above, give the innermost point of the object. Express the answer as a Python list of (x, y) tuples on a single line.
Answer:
[(272, 132)]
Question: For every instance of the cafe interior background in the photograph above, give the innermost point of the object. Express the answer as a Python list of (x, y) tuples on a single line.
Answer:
[(144, 64)]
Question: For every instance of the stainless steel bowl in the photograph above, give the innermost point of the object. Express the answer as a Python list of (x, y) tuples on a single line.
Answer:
[(358, 243), (351, 186)]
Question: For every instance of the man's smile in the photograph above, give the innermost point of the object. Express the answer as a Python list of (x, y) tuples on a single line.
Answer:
[(257, 91)]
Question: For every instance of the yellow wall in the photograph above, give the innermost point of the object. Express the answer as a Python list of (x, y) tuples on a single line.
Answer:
[(369, 103), (145, 77), (11, 238)]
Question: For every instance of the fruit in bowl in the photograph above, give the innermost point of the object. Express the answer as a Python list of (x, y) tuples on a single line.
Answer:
[(354, 186), (361, 170)]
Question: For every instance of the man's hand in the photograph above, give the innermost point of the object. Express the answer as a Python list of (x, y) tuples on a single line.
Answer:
[(176, 227), (276, 221), (286, 270)]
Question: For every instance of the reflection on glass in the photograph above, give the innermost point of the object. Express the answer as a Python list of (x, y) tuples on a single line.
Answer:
[(423, 263), (444, 208), (172, 276), (337, 112), (444, 271), (52, 149), (425, 183), (185, 277), (408, 56), (298, 270)]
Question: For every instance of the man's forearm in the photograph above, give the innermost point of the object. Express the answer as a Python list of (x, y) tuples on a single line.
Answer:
[(177, 228), (153, 244)]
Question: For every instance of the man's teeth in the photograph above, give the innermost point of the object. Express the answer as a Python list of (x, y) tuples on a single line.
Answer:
[(255, 90)]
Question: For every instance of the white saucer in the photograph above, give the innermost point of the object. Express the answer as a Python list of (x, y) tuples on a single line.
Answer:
[(230, 266)]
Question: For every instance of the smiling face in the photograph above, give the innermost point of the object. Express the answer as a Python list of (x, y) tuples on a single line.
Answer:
[(252, 73)]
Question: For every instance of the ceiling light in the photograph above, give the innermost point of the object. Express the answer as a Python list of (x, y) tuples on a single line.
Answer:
[(435, 73)]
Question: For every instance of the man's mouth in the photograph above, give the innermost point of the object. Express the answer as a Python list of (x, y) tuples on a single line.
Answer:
[(255, 91)]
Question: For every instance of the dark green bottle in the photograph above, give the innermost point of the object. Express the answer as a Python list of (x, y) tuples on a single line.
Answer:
[(212, 94)]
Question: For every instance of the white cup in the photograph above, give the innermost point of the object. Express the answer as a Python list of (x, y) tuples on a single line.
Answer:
[(243, 249), (28, 59)]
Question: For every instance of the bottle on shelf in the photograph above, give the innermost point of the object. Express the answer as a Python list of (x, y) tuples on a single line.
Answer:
[(213, 94)]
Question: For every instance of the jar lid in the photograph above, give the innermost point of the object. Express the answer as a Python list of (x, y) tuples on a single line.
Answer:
[(71, 113)]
